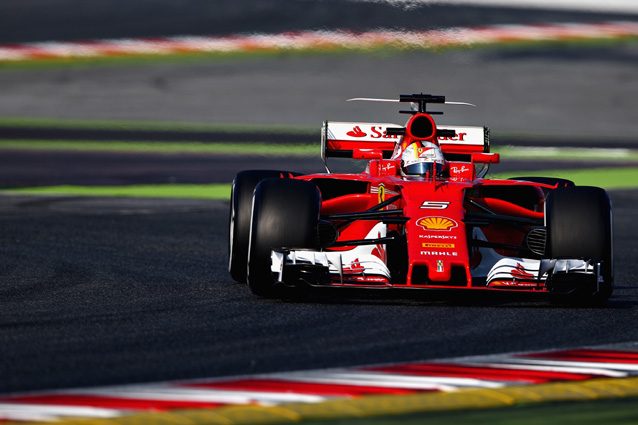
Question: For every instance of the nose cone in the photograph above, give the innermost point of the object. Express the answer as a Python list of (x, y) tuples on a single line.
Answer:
[(437, 244)]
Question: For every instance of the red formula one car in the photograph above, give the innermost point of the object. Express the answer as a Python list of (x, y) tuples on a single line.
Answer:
[(421, 216)]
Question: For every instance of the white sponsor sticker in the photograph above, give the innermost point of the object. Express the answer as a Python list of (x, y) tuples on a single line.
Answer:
[(434, 205)]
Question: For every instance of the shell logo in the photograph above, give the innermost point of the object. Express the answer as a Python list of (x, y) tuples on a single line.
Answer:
[(436, 223)]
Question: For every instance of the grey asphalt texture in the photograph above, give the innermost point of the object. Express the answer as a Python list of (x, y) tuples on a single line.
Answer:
[(255, 135), (101, 291), (107, 291), (42, 168), (582, 93)]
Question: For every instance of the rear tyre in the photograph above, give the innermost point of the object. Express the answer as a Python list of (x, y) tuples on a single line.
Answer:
[(241, 201), (285, 213), (579, 224)]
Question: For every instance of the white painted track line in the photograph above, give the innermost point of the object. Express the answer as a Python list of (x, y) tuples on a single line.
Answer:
[(45, 412), (176, 393), (380, 379)]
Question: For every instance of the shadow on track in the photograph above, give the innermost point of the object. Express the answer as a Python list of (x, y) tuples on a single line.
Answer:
[(436, 297)]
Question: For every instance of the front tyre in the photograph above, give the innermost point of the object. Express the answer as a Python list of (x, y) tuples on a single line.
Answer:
[(285, 213), (579, 224), (241, 201)]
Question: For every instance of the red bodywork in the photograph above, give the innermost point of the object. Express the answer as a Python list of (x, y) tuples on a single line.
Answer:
[(440, 253)]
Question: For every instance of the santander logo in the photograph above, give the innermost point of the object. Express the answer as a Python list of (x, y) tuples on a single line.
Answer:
[(356, 132)]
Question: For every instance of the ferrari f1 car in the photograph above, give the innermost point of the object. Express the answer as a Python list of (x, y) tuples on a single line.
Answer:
[(421, 216)]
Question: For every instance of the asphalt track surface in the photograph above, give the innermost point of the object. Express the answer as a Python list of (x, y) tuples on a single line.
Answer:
[(574, 92), (264, 135), (104, 291), (107, 291), (580, 93), (34, 168)]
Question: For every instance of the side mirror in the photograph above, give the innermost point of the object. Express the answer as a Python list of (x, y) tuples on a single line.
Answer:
[(486, 158), (367, 154)]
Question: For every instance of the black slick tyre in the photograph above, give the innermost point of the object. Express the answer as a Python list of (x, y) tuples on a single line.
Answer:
[(241, 201), (285, 213), (579, 226)]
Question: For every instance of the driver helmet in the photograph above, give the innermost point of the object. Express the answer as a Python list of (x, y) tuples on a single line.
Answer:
[(423, 159)]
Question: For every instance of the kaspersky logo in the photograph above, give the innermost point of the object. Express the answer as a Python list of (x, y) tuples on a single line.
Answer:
[(356, 132), (436, 223)]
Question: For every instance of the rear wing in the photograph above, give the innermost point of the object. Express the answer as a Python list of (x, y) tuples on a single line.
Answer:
[(361, 140), (358, 140), (468, 140)]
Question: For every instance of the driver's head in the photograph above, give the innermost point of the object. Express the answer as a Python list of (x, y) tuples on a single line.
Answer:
[(423, 159)]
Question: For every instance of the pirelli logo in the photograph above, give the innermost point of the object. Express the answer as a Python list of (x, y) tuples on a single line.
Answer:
[(438, 245)]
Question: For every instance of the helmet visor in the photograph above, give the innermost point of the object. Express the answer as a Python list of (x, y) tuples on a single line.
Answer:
[(424, 169)]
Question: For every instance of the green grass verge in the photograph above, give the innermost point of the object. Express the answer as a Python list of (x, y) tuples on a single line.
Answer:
[(219, 191), (567, 154), (609, 178), (226, 148), (255, 148), (135, 59), (608, 412)]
